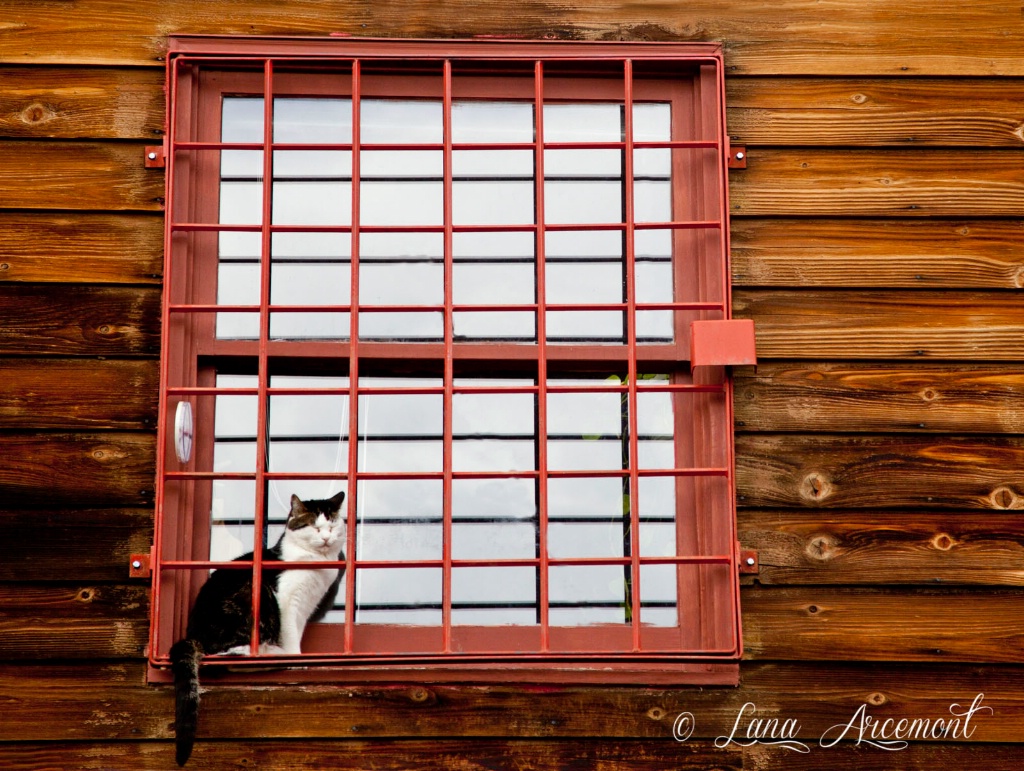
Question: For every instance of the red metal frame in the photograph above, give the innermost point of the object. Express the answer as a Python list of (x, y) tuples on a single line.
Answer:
[(708, 652)]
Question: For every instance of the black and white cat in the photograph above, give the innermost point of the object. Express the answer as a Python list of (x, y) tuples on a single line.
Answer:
[(221, 619)]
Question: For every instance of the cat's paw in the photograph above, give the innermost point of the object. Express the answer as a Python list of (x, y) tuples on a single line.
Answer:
[(273, 650)]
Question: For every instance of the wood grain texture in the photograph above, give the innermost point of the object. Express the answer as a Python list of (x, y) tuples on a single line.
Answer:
[(795, 623), (889, 547), (452, 754), (914, 397), (882, 624), (815, 182), (111, 702), (72, 622), (910, 112), (390, 755), (83, 394), (78, 176), (86, 248), (830, 325), (78, 320), (71, 103), (880, 472), (79, 545), (51, 470), (846, 37), (942, 254)]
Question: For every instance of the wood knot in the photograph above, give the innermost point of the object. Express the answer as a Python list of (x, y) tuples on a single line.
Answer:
[(877, 699), (1005, 498), (37, 113), (943, 542), (1018, 277), (859, 98), (5, 266), (85, 595), (422, 695), (821, 547), (813, 610), (815, 487), (656, 713), (929, 394)]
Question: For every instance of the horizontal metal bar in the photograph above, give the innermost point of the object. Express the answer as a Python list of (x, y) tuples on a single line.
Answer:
[(504, 228), (464, 308), (676, 144), (530, 562), (435, 475), (597, 387)]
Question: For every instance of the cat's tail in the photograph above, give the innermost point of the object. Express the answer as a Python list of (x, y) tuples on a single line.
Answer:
[(185, 657)]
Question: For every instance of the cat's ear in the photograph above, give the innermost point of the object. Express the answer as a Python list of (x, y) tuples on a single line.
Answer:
[(337, 500), (297, 506)]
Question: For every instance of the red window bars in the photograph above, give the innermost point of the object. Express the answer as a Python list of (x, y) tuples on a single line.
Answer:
[(456, 280)]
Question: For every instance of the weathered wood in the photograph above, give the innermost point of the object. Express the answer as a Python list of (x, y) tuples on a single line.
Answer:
[(72, 393), (81, 470), (76, 320), (977, 398), (72, 103), (78, 176), (883, 624), (826, 325), (111, 702), (880, 472), (867, 547), (81, 248), (817, 623), (878, 183), (920, 254), (479, 754), (72, 544), (389, 755), (847, 37), (72, 622), (976, 112)]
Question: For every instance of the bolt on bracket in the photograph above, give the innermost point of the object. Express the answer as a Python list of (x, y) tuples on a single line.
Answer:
[(139, 566)]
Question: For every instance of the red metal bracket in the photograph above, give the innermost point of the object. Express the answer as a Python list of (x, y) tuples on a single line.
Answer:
[(749, 564), (139, 566), (722, 343), (156, 156), (737, 158)]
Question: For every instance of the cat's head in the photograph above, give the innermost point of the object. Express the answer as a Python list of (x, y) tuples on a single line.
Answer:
[(317, 525)]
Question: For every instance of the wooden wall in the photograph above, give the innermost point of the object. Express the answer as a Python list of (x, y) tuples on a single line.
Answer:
[(876, 242)]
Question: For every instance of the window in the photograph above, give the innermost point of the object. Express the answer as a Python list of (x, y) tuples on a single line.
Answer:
[(459, 281)]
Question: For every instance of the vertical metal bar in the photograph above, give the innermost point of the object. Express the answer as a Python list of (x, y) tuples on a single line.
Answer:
[(165, 357), (630, 258), (542, 364), (353, 370), (262, 406), (449, 348)]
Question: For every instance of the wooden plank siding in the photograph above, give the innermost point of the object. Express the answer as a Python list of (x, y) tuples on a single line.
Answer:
[(880, 441)]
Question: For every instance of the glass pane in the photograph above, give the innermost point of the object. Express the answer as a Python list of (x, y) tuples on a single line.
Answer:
[(597, 594), (400, 432), (484, 121), (405, 121), (311, 120), (308, 432), (493, 432), (398, 596), (498, 595)]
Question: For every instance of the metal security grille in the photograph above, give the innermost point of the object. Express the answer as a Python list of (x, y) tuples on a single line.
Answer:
[(458, 281)]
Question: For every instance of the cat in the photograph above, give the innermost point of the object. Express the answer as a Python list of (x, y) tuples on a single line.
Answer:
[(221, 619)]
